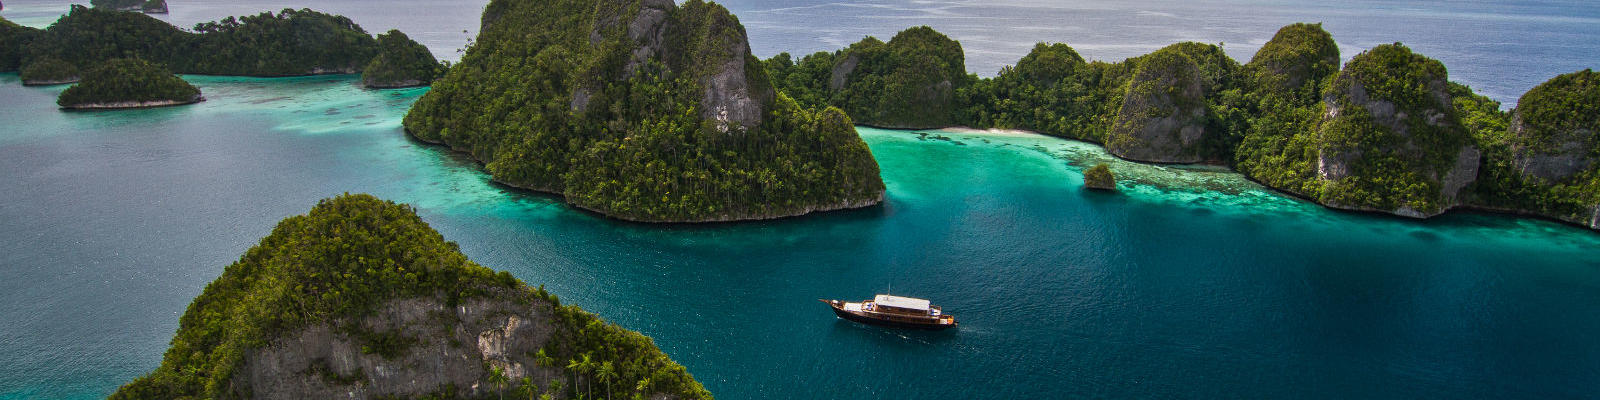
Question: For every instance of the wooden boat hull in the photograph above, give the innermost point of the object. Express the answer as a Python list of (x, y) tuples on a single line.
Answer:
[(868, 319)]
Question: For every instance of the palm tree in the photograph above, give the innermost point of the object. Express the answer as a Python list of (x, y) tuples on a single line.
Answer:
[(606, 373), (544, 360), (586, 367), (574, 365), (497, 377), (528, 387)]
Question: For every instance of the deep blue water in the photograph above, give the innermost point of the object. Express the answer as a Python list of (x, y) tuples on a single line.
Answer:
[(1192, 283)]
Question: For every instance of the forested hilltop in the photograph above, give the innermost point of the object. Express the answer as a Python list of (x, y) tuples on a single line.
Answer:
[(128, 83), (287, 43), (642, 110), (401, 62), (1387, 132), (360, 298), (909, 82)]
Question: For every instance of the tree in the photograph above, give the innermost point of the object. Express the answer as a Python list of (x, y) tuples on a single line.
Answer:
[(527, 387), (497, 377), (606, 373)]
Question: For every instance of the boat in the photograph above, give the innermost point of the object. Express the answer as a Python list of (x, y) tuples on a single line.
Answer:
[(894, 311)]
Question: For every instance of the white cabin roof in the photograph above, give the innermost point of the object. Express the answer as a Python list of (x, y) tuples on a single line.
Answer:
[(900, 302)]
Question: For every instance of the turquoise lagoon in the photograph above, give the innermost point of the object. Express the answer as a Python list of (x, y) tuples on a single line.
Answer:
[(1192, 282)]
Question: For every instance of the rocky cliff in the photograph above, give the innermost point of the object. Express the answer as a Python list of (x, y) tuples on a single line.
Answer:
[(361, 299), (1163, 116), (642, 110), (1540, 159), (1390, 139), (1556, 127)]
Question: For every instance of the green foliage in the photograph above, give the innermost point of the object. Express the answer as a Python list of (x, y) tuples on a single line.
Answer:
[(401, 62), (1395, 74), (290, 42), (805, 81), (347, 255), (127, 80), (389, 344), (1278, 106), (49, 70), (340, 261), (13, 43), (1270, 114), (90, 36), (547, 109), (911, 81), (1298, 57), (1564, 104), (1099, 177), (1177, 84), (1051, 91), (1555, 114), (1399, 163)]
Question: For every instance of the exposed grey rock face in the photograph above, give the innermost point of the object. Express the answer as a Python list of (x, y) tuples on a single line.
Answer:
[(730, 100), (1163, 114), (1567, 154), (841, 72), (450, 346), (1594, 222), (1335, 155), (648, 30), (1334, 165), (1463, 173)]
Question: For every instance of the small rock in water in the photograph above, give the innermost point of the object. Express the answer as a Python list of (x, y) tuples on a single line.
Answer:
[(1099, 177)]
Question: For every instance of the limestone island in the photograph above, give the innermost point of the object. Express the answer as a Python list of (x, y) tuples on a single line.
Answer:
[(400, 63), (128, 83), (144, 6), (360, 298), (642, 110), (1387, 133), (49, 71)]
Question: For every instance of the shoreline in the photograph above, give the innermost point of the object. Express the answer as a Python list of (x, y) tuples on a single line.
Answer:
[(128, 105), (881, 199), (1464, 208), (36, 82)]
